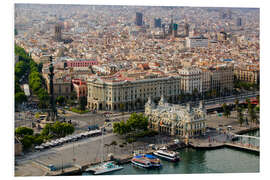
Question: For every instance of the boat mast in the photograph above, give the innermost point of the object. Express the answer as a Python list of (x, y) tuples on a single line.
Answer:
[(101, 145)]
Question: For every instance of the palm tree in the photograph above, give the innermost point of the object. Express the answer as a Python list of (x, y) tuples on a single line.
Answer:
[(236, 104), (258, 99), (226, 110), (240, 115), (251, 113)]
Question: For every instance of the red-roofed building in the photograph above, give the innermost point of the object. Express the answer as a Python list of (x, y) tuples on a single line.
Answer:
[(79, 87), (143, 66), (81, 63)]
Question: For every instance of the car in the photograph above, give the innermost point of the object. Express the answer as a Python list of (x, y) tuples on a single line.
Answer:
[(107, 120), (39, 147), (46, 145)]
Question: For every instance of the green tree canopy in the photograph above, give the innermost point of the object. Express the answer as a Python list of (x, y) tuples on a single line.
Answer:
[(46, 130), (27, 141), (36, 86), (121, 128), (135, 124), (58, 129), (61, 100), (22, 131), (34, 75), (38, 139), (82, 103), (21, 68), (23, 56), (17, 87), (20, 97), (39, 67)]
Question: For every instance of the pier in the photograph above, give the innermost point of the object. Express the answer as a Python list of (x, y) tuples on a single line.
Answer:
[(249, 147)]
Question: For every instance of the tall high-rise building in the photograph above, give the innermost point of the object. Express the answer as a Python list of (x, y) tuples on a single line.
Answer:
[(186, 30), (239, 22), (157, 23), (164, 31), (175, 28), (58, 32), (139, 19), (170, 30)]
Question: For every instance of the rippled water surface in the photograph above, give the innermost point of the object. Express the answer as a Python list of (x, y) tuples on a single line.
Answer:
[(223, 160)]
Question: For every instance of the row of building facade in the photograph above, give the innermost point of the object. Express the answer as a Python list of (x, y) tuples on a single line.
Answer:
[(129, 95), (115, 94), (118, 94)]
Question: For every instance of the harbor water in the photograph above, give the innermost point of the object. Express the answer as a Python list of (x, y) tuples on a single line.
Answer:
[(223, 160)]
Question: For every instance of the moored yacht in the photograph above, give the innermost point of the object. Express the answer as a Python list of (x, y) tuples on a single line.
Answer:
[(107, 167), (167, 155), (140, 161), (155, 162)]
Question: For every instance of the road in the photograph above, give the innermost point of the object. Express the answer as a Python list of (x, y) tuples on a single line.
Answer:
[(89, 119), (231, 99)]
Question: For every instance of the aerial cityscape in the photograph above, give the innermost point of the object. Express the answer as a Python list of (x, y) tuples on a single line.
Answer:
[(126, 90)]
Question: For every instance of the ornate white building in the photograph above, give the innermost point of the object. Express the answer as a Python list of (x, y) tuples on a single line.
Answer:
[(171, 119)]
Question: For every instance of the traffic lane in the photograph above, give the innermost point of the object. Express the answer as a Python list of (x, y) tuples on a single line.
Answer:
[(84, 121)]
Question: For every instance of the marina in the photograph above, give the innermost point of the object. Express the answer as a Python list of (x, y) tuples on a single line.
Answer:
[(124, 163), (223, 160)]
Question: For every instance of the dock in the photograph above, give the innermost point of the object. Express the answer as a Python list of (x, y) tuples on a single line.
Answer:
[(216, 145), (249, 148)]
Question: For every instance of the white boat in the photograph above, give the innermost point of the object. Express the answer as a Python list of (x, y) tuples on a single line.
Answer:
[(140, 161), (107, 167), (167, 155), (155, 162)]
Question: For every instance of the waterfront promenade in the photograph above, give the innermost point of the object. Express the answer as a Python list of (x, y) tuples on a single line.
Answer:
[(219, 135), (74, 155)]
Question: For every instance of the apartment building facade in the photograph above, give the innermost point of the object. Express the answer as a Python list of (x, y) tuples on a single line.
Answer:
[(116, 95)]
